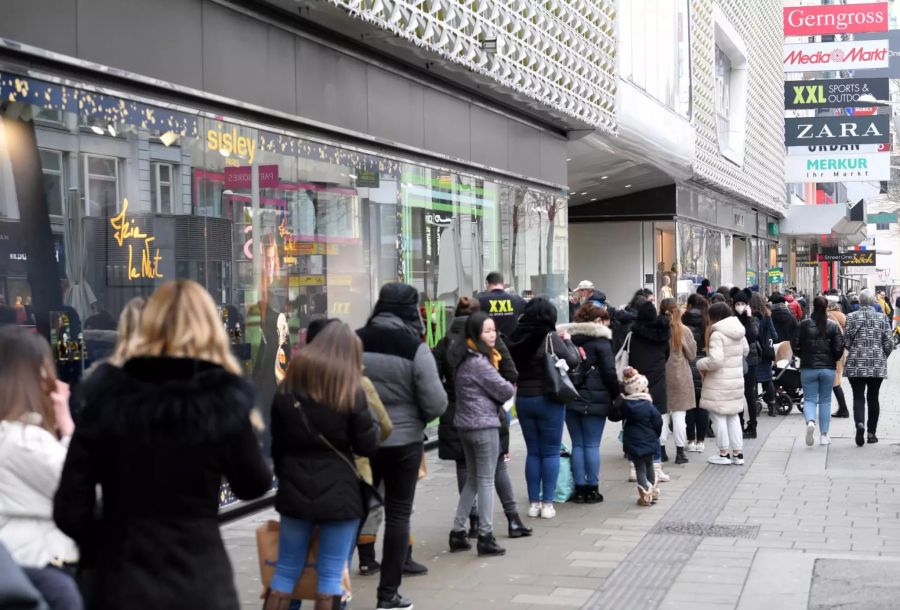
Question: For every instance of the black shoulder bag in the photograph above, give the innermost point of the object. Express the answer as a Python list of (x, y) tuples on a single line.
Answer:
[(371, 498)]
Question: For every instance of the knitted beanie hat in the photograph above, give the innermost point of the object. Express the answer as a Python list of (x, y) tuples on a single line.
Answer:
[(635, 383)]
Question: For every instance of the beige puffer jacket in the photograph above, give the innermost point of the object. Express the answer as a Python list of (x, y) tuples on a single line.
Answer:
[(723, 368)]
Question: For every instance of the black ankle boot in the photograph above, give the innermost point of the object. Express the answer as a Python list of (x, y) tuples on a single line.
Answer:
[(488, 547), (517, 529), (367, 562), (593, 495), (680, 457), (411, 567), (459, 542), (770, 406), (473, 526), (750, 432), (580, 493), (665, 456)]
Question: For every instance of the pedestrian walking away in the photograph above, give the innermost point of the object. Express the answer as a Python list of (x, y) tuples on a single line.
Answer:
[(820, 345), (784, 320), (405, 374), (679, 378), (723, 382), (480, 392), (696, 319), (835, 313), (158, 435), (320, 420), (867, 338), (586, 415), (540, 417), (36, 428), (642, 428)]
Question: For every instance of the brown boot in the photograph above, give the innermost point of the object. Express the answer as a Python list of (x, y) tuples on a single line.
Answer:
[(276, 600), (327, 602), (645, 498)]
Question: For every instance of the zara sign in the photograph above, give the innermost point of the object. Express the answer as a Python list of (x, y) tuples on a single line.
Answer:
[(812, 131)]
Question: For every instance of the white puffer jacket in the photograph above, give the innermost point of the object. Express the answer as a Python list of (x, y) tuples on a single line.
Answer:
[(723, 368), (31, 462)]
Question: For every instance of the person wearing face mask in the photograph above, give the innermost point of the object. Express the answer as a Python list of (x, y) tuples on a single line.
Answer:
[(751, 335)]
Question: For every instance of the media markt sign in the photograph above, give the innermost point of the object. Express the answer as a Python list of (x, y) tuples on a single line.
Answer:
[(837, 168), (844, 55)]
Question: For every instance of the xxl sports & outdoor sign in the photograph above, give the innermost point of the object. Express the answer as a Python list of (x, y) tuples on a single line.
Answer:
[(835, 19), (811, 131), (827, 56), (837, 168), (844, 93)]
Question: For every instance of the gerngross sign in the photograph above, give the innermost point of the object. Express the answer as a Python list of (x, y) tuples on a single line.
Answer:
[(843, 93), (835, 19), (825, 56), (838, 168), (811, 131)]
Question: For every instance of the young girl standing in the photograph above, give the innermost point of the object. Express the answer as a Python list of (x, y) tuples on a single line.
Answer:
[(723, 382), (643, 425)]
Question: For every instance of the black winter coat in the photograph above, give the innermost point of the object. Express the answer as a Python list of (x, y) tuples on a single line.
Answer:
[(693, 319), (313, 482), (815, 350), (528, 355), (767, 333), (649, 353), (449, 445), (642, 427), (623, 320), (751, 335), (785, 322), (158, 436), (600, 385)]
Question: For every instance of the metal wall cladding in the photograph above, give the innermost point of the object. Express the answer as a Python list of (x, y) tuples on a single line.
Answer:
[(760, 179)]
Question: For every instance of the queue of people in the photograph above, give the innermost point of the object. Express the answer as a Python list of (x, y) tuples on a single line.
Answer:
[(121, 480)]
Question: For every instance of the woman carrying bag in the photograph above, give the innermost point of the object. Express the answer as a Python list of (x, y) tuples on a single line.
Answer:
[(319, 421)]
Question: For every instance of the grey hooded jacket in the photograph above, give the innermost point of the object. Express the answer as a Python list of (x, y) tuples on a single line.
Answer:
[(404, 372)]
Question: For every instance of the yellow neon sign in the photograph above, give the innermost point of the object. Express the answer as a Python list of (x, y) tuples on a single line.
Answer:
[(128, 229)]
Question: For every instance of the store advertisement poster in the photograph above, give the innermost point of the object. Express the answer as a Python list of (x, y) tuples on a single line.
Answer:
[(827, 56), (837, 168), (835, 19)]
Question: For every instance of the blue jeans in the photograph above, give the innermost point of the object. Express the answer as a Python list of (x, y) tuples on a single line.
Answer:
[(817, 395), (586, 431), (541, 421), (336, 540)]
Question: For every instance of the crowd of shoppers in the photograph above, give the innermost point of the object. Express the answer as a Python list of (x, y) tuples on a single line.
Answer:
[(107, 489)]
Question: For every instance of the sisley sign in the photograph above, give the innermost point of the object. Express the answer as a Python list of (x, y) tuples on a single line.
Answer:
[(835, 19), (827, 130), (837, 168), (825, 56), (841, 93)]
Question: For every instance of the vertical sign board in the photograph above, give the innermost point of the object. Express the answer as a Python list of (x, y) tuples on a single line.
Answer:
[(835, 19)]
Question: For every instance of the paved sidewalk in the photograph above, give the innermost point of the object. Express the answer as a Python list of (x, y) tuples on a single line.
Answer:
[(774, 534)]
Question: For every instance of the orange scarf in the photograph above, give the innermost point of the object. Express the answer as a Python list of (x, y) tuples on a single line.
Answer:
[(495, 355)]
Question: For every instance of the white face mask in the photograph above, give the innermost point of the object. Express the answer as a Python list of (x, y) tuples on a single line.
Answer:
[(740, 308)]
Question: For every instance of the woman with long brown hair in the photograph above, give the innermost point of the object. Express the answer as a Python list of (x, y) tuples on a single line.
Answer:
[(35, 430), (679, 379), (158, 434), (320, 420)]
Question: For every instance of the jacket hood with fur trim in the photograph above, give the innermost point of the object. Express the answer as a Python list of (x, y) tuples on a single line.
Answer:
[(587, 329), (731, 327)]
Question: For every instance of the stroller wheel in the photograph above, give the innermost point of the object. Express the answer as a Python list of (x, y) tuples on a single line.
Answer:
[(783, 404), (760, 405)]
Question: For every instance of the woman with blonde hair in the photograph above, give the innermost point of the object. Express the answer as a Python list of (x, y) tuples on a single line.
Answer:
[(129, 323), (320, 420), (679, 378), (35, 430), (158, 434)]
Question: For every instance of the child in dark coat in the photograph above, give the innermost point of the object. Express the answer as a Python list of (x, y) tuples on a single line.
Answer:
[(643, 425)]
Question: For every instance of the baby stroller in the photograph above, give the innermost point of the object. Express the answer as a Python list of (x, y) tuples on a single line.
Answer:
[(786, 376)]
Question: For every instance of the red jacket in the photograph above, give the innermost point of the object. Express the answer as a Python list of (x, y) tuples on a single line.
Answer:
[(794, 306)]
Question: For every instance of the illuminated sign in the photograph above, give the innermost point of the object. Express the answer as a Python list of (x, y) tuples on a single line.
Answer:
[(231, 142), (242, 177), (128, 231)]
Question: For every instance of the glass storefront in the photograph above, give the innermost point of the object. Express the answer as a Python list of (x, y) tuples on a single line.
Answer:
[(699, 258), (281, 229)]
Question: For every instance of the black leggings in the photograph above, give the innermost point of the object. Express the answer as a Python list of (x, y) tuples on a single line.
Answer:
[(697, 423), (768, 392), (842, 402), (751, 393), (866, 388)]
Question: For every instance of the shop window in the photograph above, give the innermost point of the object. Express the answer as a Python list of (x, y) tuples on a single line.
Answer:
[(882, 226), (101, 184), (52, 117), (162, 187), (52, 175), (730, 71)]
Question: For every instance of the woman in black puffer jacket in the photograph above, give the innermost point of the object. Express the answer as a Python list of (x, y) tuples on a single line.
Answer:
[(696, 318), (586, 416), (741, 307)]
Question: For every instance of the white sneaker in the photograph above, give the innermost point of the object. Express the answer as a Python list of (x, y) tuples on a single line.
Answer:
[(738, 459), (534, 511), (632, 474), (722, 460), (810, 431), (660, 475), (824, 440), (691, 446), (547, 511), (700, 447)]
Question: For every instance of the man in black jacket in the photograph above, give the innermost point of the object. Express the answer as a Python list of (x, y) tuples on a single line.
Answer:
[(503, 308), (785, 322)]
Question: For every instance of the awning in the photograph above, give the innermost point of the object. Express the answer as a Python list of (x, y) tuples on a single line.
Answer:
[(838, 223)]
